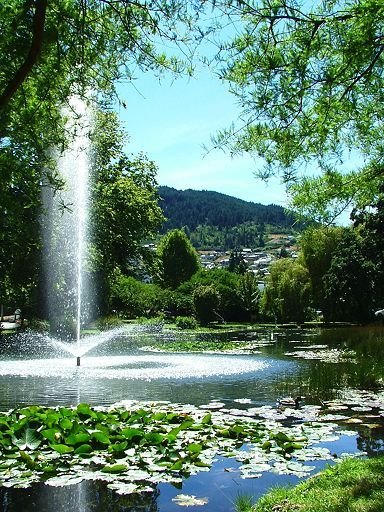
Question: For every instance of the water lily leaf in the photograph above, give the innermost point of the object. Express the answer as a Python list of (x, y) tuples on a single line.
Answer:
[(27, 439), (27, 459), (101, 437), (80, 438), (132, 433), (64, 480), (52, 434), (66, 424), (86, 410), (155, 438), (194, 448), (186, 500), (207, 419), (177, 466), (84, 448), (62, 448), (114, 468), (128, 488), (118, 447)]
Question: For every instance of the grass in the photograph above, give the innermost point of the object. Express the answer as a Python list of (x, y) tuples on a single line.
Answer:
[(354, 485)]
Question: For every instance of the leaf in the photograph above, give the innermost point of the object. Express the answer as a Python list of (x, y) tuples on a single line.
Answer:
[(207, 419), (155, 438), (27, 459), (62, 448), (118, 447), (194, 448), (101, 437), (84, 448), (177, 465), (132, 433), (52, 434), (115, 468), (66, 424), (86, 410), (80, 438), (28, 439)]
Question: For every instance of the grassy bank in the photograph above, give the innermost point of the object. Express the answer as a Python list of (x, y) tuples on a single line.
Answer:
[(352, 486)]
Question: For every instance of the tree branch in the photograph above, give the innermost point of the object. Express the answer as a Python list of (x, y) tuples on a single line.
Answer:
[(34, 52)]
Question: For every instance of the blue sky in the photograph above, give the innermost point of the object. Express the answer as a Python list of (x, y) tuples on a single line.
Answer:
[(171, 121)]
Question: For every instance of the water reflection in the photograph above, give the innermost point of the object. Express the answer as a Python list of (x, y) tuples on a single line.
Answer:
[(83, 497), (33, 371)]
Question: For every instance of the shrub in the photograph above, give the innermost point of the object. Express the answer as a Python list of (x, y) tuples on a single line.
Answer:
[(186, 322), (108, 322), (206, 300)]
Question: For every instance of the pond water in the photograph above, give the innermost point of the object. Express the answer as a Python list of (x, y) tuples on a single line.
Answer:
[(320, 365)]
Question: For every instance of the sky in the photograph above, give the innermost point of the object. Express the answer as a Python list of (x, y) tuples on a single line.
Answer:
[(172, 120)]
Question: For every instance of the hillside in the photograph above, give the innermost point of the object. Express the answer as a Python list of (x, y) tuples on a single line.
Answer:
[(194, 208), (217, 221)]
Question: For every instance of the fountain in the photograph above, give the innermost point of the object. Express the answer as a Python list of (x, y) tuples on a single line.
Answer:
[(65, 230)]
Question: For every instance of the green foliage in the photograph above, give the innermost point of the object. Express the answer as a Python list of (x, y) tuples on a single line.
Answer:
[(135, 444), (185, 322), (287, 293), (219, 221), (225, 283), (310, 82), (50, 51), (206, 300), (349, 282), (179, 261), (133, 299), (249, 293), (124, 199), (317, 246), (353, 485), (108, 322)]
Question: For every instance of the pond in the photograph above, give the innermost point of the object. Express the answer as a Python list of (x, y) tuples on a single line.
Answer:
[(331, 370)]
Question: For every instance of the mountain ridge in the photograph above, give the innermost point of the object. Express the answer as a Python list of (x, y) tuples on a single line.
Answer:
[(192, 208)]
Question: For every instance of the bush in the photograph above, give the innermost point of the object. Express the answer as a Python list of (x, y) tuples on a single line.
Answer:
[(206, 300), (186, 322), (108, 322)]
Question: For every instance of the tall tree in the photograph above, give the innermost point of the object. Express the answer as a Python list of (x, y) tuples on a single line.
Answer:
[(309, 77), (287, 295), (318, 246), (179, 260)]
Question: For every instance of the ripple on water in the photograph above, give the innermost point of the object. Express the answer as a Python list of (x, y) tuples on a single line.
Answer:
[(153, 366)]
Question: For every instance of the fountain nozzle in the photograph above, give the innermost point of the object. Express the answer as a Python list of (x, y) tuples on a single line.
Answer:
[(78, 361)]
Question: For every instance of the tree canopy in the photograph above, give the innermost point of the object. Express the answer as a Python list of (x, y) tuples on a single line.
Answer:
[(309, 79)]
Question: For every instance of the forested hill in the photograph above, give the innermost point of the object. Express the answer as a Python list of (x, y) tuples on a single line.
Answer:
[(194, 208)]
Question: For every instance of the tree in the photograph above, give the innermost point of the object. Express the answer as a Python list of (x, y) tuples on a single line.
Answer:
[(206, 300), (178, 259), (287, 293), (349, 282), (309, 78), (226, 283), (49, 51), (318, 246), (248, 290)]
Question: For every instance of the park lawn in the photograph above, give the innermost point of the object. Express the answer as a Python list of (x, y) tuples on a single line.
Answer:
[(354, 485)]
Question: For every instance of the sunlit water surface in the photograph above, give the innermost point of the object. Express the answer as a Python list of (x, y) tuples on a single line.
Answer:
[(38, 370)]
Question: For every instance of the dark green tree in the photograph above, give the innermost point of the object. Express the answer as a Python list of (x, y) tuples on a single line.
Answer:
[(318, 245), (287, 295), (206, 300), (248, 290), (178, 259), (349, 282)]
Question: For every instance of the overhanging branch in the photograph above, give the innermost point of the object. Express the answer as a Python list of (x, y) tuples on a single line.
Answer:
[(34, 51)]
